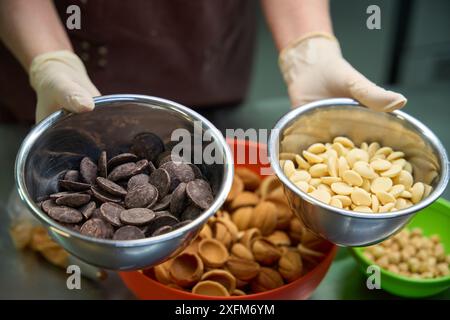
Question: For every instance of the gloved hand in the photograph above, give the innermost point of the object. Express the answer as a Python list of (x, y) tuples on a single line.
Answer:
[(313, 68), (61, 81)]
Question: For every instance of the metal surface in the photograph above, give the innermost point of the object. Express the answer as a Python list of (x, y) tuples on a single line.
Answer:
[(323, 120), (60, 141), (23, 275)]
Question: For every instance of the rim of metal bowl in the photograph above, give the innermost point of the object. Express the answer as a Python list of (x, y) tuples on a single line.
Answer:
[(161, 103), (296, 113)]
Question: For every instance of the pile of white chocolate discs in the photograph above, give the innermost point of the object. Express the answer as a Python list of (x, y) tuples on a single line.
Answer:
[(370, 178)]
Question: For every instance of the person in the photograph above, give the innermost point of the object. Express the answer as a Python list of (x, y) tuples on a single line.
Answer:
[(195, 52)]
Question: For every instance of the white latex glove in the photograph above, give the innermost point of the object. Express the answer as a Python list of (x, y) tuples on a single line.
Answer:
[(313, 68), (61, 81)]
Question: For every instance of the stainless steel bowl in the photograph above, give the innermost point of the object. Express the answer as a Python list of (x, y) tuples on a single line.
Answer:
[(321, 121), (61, 140)]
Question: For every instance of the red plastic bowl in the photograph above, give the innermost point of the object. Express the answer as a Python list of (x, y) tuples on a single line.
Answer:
[(145, 287)]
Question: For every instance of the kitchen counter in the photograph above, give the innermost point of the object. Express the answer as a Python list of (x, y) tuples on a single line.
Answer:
[(24, 275)]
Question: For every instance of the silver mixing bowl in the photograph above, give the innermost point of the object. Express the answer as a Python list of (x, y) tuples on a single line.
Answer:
[(61, 140), (321, 121)]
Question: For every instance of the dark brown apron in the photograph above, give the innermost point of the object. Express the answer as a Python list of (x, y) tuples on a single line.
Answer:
[(196, 52)]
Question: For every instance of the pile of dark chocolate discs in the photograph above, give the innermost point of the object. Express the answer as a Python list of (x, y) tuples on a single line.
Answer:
[(141, 193)]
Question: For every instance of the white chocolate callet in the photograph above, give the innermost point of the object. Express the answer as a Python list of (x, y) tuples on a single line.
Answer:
[(330, 180), (375, 203), (352, 178), (364, 209), (387, 207), (336, 203), (302, 163), (363, 168), (311, 157), (288, 168), (400, 204), (342, 166), (395, 155), (384, 150), (332, 163), (317, 148), (408, 167), (393, 171), (318, 170), (341, 188), (360, 197), (326, 188), (315, 182), (405, 178), (356, 155), (300, 175), (399, 162), (409, 203), (427, 190), (378, 156), (364, 146), (331, 153), (366, 185), (339, 148), (385, 197), (417, 191), (406, 194), (323, 155), (321, 195), (380, 165), (346, 142), (345, 200), (302, 185), (397, 190), (373, 147)]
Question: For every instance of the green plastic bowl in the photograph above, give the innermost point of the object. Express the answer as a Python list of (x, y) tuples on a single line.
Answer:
[(434, 219)]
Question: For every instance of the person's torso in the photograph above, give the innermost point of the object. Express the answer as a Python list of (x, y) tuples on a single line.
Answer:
[(195, 52)]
